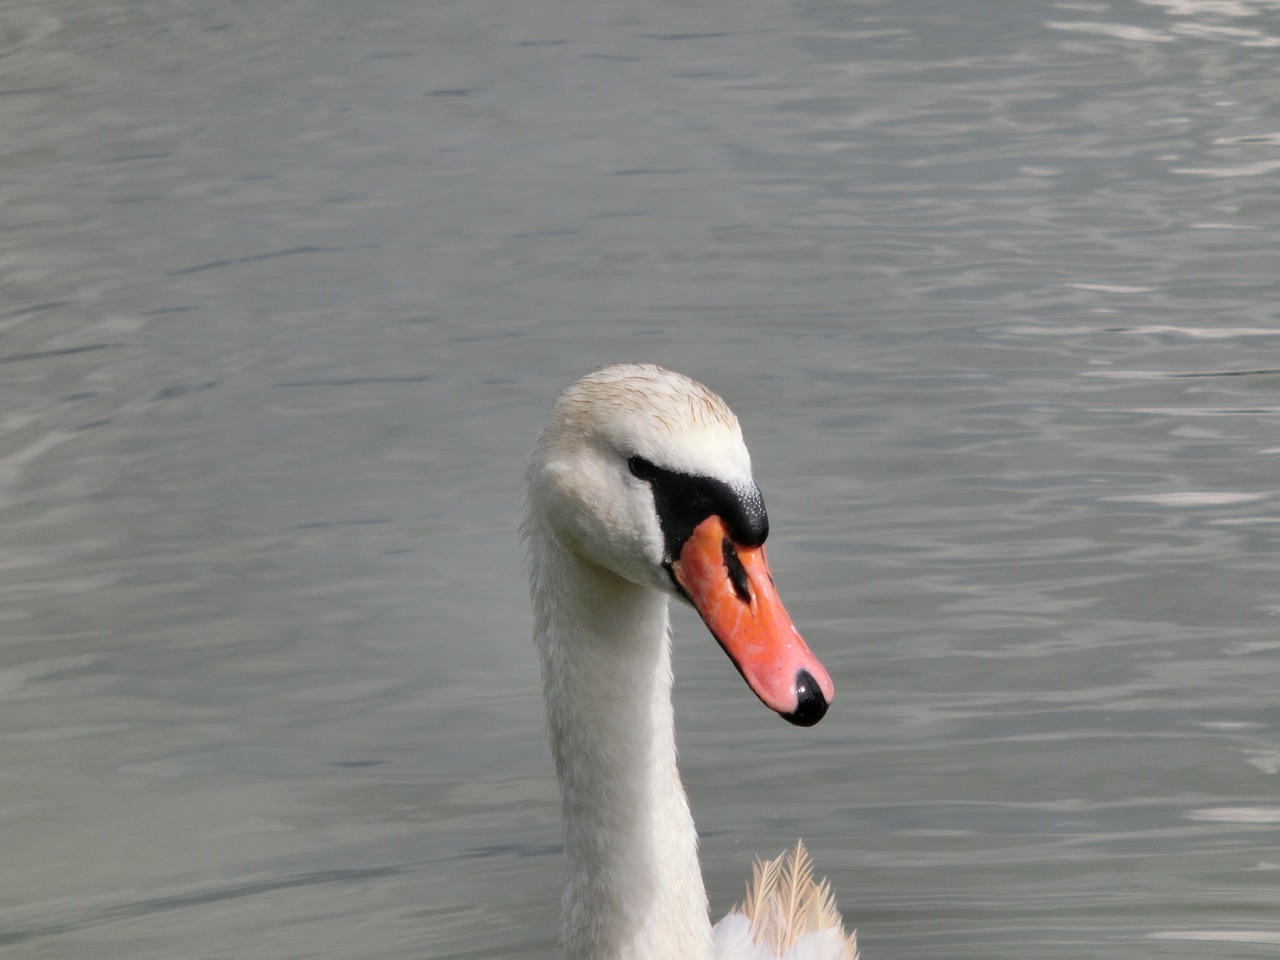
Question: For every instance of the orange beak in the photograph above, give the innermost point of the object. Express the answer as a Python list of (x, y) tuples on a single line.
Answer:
[(733, 591)]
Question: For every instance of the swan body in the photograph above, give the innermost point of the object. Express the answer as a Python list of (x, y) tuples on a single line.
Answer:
[(640, 489)]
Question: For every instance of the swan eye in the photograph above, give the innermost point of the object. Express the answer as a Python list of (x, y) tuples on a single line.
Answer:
[(642, 468)]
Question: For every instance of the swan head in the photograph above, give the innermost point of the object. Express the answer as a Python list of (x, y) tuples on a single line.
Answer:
[(644, 472)]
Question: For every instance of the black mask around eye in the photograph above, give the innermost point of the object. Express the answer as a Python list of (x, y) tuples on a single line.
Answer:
[(684, 500)]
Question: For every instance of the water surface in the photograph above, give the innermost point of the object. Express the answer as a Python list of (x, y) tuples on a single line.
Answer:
[(289, 288)]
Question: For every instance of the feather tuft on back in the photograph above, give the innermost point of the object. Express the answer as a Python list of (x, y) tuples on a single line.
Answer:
[(788, 915)]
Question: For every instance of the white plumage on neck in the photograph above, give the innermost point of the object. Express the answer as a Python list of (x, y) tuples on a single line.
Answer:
[(633, 888)]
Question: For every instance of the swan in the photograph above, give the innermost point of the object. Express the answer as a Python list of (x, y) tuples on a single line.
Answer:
[(640, 489)]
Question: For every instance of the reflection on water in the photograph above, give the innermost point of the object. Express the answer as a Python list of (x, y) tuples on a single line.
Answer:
[(288, 292)]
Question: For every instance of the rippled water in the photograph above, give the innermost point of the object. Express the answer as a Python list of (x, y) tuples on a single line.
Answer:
[(288, 289)]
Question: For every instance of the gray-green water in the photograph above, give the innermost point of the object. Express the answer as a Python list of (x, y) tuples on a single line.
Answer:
[(286, 289)]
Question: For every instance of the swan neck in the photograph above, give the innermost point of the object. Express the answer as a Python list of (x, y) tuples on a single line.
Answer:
[(633, 887)]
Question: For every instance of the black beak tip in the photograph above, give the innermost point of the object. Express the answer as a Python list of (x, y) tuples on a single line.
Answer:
[(811, 705)]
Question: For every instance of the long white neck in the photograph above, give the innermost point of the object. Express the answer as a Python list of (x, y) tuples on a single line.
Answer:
[(633, 889)]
